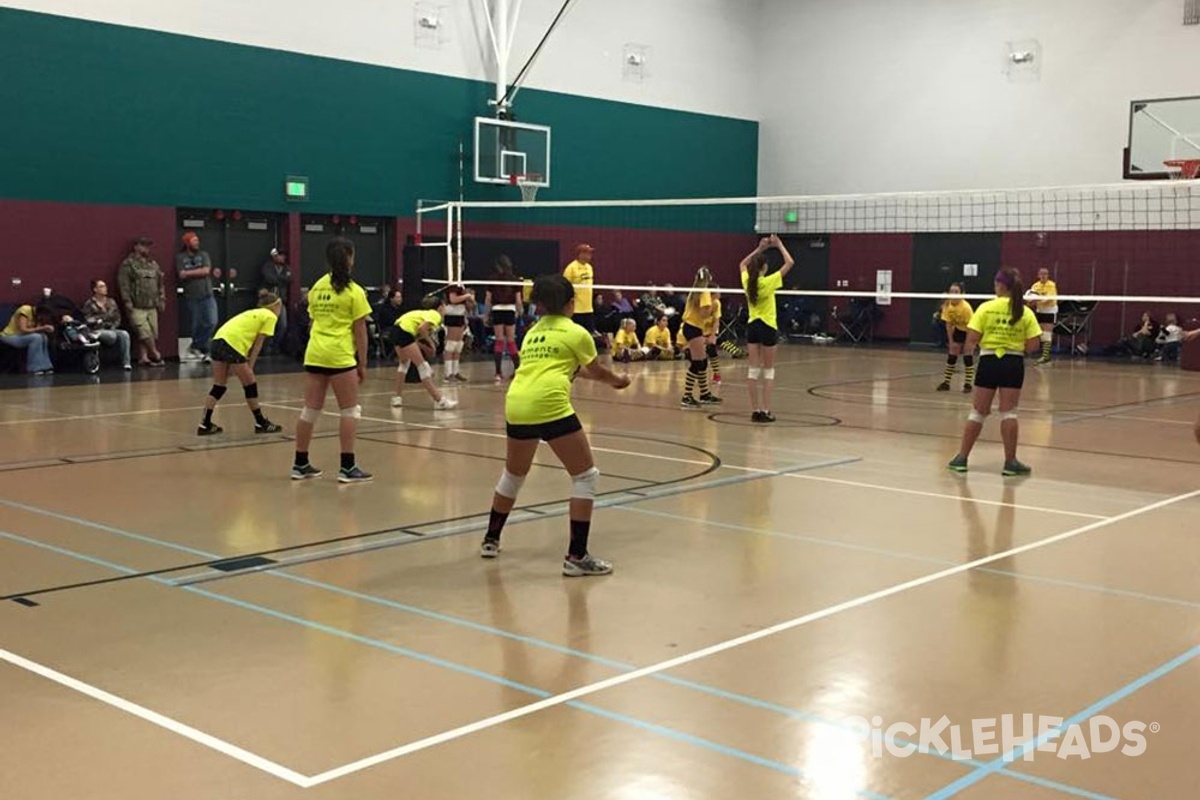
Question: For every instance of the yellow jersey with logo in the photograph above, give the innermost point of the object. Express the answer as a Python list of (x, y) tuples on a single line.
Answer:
[(241, 331), (998, 332), (764, 309), (333, 314), (582, 276), (1047, 289), (411, 322), (659, 337), (958, 315), (553, 351)]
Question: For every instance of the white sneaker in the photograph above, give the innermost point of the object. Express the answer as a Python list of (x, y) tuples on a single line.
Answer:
[(445, 404), (397, 401)]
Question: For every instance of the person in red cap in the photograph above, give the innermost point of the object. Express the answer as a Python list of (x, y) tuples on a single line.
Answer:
[(195, 269), (581, 275)]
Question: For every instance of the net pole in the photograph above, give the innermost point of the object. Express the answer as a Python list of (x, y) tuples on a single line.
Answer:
[(449, 239), (459, 243)]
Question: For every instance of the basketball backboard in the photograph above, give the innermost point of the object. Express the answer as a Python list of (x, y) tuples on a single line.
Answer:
[(1161, 130), (504, 148)]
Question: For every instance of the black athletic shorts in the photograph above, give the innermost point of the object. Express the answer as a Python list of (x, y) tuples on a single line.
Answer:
[(692, 332), (504, 318), (759, 332), (221, 350), (1001, 373), (588, 321), (960, 337), (546, 431), (328, 370), (402, 338), (1046, 319), (454, 321)]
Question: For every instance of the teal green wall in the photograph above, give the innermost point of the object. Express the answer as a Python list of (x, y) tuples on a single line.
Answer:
[(99, 113)]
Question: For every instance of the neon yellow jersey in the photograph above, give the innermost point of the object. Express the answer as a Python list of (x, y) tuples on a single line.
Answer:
[(710, 325), (582, 276), (411, 322), (627, 340), (23, 311), (553, 350), (957, 314), (659, 337), (693, 310), (331, 341), (241, 331), (764, 309), (993, 321), (1049, 290)]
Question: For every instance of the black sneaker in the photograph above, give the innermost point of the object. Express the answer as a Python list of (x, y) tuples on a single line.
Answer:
[(208, 429), (944, 386), (689, 402), (1015, 468), (354, 475), (267, 427), (767, 416), (757, 416), (305, 472), (710, 400), (967, 388), (957, 464)]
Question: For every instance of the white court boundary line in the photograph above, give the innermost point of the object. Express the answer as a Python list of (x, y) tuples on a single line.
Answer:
[(162, 721), (720, 647)]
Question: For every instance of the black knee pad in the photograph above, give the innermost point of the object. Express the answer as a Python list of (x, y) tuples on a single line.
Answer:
[(217, 392), (251, 391), (969, 360), (697, 367), (952, 360), (711, 350)]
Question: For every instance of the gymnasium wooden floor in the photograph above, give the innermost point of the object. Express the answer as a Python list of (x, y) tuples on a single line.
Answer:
[(770, 584)]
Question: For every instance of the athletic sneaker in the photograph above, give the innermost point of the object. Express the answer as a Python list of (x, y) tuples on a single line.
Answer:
[(757, 416), (767, 416), (710, 400), (1014, 468), (208, 430), (353, 475), (588, 565), (958, 464), (689, 402), (305, 472), (944, 386), (397, 401), (445, 404), (967, 388), (716, 380), (267, 427), (460, 378), (489, 549)]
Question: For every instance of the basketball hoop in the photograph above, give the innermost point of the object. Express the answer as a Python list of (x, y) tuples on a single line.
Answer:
[(1187, 169), (528, 184)]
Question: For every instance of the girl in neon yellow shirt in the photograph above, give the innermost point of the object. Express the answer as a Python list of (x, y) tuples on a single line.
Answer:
[(411, 328), (762, 333), (235, 348), (538, 409)]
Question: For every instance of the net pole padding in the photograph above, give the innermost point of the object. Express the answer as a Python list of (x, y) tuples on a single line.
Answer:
[(838, 293), (451, 212)]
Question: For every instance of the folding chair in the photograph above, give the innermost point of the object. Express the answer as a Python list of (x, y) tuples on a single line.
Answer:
[(858, 321), (1074, 320)]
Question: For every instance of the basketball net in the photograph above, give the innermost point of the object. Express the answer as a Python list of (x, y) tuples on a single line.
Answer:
[(528, 186)]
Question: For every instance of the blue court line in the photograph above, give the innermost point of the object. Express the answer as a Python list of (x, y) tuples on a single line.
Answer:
[(661, 730), (1125, 691), (617, 665)]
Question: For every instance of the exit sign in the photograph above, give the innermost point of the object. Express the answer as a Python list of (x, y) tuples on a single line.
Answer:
[(295, 188), (792, 217)]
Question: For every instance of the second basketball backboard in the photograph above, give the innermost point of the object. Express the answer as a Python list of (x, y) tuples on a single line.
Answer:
[(504, 149), (1159, 131)]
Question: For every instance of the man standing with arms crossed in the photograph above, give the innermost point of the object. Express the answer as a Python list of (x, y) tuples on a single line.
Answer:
[(581, 275), (195, 268)]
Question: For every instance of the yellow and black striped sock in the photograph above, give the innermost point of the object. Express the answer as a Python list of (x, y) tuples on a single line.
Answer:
[(969, 366), (689, 384), (702, 380), (714, 363), (1046, 349), (951, 362)]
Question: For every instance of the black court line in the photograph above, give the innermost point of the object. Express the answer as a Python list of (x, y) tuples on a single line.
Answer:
[(412, 529), (785, 420), (125, 455)]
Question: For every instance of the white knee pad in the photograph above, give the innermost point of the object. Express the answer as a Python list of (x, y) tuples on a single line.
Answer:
[(1047, 336), (1007, 415), (583, 486), (753, 373), (310, 414), (402, 368), (453, 347), (769, 374), (425, 371), (353, 412), (509, 485), (975, 416)]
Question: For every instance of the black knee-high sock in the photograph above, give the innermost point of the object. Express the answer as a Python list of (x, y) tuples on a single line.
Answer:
[(496, 525), (951, 361), (208, 412), (579, 537), (499, 359)]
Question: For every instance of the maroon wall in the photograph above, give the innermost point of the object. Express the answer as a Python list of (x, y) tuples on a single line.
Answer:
[(856, 256), (64, 246)]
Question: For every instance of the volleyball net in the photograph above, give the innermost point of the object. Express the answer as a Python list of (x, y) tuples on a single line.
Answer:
[(1115, 251)]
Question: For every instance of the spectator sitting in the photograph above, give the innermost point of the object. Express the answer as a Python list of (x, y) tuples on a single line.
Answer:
[(1170, 339), (621, 304), (24, 333), (658, 341), (627, 347), (388, 310), (1141, 343), (103, 316)]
